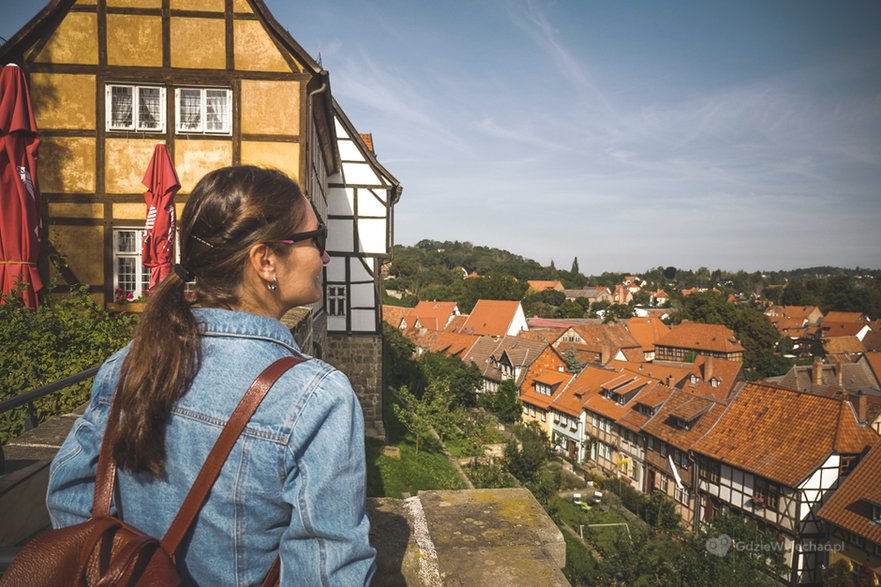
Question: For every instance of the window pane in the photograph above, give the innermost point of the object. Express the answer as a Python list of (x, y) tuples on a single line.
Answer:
[(126, 277), (121, 106), (145, 281), (126, 241), (149, 109), (217, 109), (190, 109)]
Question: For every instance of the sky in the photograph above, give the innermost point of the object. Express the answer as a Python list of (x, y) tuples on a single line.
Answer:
[(735, 135)]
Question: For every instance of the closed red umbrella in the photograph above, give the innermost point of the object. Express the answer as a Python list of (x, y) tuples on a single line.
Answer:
[(162, 183), (20, 220)]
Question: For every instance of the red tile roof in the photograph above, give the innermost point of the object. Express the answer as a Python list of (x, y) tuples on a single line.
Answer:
[(699, 336), (666, 373), (547, 335), (781, 434), (842, 328), (491, 317), (835, 345), (873, 359), (850, 506)]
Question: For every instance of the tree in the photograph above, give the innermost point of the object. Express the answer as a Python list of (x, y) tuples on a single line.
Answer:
[(398, 363), (413, 414), (526, 461), (463, 380), (570, 309), (660, 512), (574, 269), (506, 402), (570, 356)]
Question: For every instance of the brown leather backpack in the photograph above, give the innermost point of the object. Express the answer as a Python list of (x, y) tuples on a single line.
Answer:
[(103, 550)]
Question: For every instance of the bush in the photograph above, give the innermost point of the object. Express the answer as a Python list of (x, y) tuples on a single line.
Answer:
[(38, 347)]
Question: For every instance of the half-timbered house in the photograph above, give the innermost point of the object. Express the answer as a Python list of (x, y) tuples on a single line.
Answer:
[(853, 519), (219, 82), (774, 456)]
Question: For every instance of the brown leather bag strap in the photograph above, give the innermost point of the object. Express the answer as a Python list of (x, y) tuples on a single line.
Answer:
[(106, 474), (222, 447)]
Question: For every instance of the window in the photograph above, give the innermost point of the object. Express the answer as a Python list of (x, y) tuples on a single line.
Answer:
[(604, 450), (336, 300), (203, 111), (766, 495), (681, 495), (856, 539), (710, 471), (846, 465), (544, 416), (130, 277), (876, 513), (543, 388), (135, 108)]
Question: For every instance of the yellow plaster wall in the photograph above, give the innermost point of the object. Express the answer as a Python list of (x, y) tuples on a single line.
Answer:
[(125, 163), (193, 159), (83, 247), (67, 165), (135, 3), (270, 107), (71, 210), (134, 39), (63, 100), (85, 2), (209, 5), (254, 49), (282, 156), (130, 211), (241, 6), (198, 43), (74, 41)]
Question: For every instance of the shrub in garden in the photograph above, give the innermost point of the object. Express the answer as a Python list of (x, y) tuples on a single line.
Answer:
[(57, 340)]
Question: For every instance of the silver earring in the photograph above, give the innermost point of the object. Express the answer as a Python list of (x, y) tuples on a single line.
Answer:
[(272, 285)]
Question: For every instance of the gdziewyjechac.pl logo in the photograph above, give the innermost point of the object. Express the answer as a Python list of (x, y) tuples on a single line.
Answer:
[(719, 545)]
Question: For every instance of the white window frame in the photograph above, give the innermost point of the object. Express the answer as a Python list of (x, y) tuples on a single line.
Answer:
[(336, 300), (142, 273), (202, 129), (135, 125), (876, 513)]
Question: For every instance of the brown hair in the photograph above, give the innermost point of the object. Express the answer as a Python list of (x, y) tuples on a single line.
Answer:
[(230, 210)]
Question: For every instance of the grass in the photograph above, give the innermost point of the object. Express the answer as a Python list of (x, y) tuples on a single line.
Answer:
[(392, 477), (603, 538)]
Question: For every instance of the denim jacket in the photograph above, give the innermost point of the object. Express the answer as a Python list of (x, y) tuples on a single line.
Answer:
[(294, 484)]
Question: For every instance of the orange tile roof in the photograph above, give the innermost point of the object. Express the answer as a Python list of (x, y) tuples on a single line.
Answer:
[(756, 432), (542, 285), (433, 315), (843, 344), (662, 425), (394, 314), (835, 316), (596, 336), (647, 330), (873, 359), (699, 336), (796, 312), (492, 317), (726, 373), (872, 340), (456, 323), (590, 380), (556, 379), (453, 344), (850, 506), (663, 371), (622, 384), (547, 335), (841, 328)]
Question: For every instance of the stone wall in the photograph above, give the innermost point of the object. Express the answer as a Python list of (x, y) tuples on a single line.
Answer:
[(360, 358)]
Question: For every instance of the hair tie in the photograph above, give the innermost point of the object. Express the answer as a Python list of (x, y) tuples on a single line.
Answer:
[(184, 273)]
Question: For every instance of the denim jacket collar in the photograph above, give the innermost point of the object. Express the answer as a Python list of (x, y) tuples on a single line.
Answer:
[(220, 322)]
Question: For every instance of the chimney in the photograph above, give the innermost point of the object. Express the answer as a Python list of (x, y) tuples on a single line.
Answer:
[(818, 371), (840, 375), (708, 368), (863, 408), (605, 357), (670, 380)]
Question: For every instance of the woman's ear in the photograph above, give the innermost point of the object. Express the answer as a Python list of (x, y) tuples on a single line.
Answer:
[(261, 258)]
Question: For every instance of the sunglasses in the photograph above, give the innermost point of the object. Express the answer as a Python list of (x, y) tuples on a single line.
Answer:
[(319, 236)]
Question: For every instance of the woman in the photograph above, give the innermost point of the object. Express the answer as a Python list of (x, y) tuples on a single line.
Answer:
[(294, 485)]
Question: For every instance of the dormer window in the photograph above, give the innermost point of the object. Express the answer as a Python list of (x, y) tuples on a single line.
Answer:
[(714, 382), (876, 513), (693, 379), (543, 388)]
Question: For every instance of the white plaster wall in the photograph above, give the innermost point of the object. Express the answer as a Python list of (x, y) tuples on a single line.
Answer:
[(518, 323), (370, 203), (372, 236), (360, 174)]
